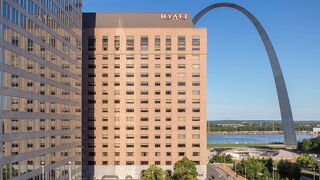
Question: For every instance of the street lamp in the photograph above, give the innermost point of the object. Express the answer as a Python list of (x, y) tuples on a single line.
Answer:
[(42, 169), (69, 170), (273, 169)]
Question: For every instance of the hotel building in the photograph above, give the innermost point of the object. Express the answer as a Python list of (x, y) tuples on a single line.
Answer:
[(40, 89), (144, 93)]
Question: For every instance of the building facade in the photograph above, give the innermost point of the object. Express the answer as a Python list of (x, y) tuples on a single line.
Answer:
[(40, 89), (144, 93)]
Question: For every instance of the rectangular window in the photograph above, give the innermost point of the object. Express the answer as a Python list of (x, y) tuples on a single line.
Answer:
[(130, 43), (144, 43), (116, 43), (195, 43), (91, 43), (168, 43), (181, 43), (30, 45), (104, 43), (157, 43)]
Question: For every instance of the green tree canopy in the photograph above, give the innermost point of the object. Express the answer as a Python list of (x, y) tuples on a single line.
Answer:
[(307, 161), (289, 170), (153, 173), (253, 168), (185, 169), (221, 158), (310, 145)]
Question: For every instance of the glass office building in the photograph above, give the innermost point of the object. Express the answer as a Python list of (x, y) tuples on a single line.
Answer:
[(40, 89)]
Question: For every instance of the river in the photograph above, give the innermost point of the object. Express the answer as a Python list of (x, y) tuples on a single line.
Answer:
[(250, 138)]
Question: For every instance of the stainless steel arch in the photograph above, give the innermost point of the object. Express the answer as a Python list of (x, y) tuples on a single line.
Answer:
[(285, 108)]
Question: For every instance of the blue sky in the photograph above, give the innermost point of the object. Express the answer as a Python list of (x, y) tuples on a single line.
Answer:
[(240, 82)]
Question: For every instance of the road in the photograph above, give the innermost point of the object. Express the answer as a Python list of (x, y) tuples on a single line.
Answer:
[(216, 173)]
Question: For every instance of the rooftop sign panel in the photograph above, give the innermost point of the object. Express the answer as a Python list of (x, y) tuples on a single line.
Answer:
[(137, 20)]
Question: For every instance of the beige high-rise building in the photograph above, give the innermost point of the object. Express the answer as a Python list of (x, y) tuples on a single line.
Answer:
[(144, 93)]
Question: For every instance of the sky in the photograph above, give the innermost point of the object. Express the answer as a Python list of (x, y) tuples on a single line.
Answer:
[(240, 84)]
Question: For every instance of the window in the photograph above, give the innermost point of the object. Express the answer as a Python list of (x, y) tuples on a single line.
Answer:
[(195, 83), (116, 43), (195, 118), (168, 43), (195, 110), (144, 66), (181, 43), (195, 101), (91, 43), (181, 66), (130, 43), (195, 58), (157, 43), (195, 92), (195, 74), (104, 43), (195, 43), (6, 10), (195, 66), (30, 45), (144, 57), (144, 43), (130, 57)]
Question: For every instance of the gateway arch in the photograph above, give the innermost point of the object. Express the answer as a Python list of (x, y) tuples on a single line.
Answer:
[(284, 103)]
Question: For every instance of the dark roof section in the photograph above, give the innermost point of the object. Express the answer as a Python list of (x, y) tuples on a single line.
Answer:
[(137, 20)]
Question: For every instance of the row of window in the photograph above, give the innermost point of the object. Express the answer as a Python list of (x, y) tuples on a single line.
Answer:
[(22, 21), (144, 66), (144, 110), (146, 118), (143, 57), (128, 163), (142, 101), (145, 83), (144, 43), (144, 136), (52, 54), (144, 154), (144, 128), (145, 75), (146, 92)]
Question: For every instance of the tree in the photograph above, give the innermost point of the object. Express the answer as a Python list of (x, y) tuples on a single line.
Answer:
[(289, 170), (185, 169), (268, 163), (221, 158), (153, 173), (307, 161), (253, 168), (310, 145)]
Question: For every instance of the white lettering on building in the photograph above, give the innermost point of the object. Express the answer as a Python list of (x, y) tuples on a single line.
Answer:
[(174, 16)]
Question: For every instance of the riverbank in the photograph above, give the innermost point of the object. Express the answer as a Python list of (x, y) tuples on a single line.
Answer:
[(260, 145), (252, 132)]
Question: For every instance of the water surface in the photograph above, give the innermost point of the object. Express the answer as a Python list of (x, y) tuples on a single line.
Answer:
[(250, 138)]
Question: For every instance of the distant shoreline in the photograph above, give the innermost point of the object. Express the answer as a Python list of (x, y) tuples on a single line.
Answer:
[(252, 132)]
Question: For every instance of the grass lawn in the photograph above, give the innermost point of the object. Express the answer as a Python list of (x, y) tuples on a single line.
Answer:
[(309, 174), (274, 146)]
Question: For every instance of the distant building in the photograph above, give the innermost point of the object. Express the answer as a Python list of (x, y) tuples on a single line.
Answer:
[(316, 130), (144, 93)]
